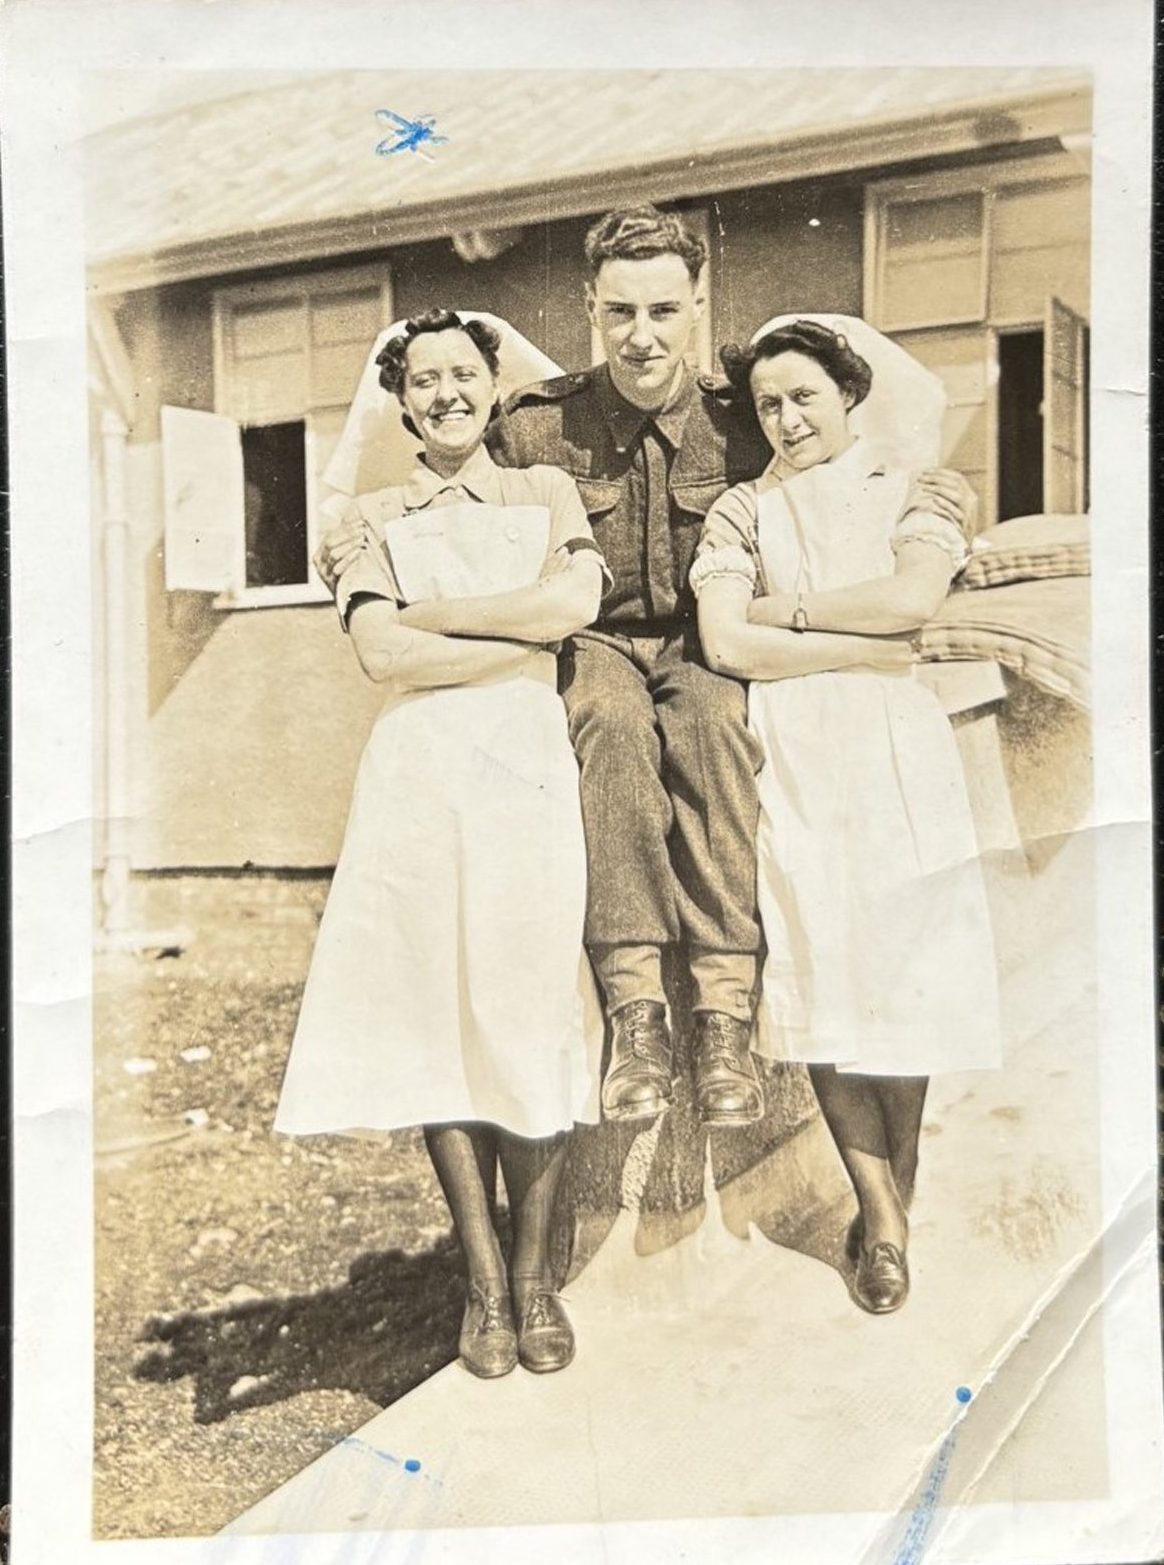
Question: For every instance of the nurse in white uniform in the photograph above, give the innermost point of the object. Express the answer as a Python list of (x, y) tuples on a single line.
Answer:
[(449, 985), (880, 966)]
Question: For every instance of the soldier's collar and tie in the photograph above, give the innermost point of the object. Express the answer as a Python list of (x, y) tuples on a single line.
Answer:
[(627, 422)]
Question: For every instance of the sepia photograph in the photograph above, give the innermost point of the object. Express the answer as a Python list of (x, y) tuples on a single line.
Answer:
[(599, 1014)]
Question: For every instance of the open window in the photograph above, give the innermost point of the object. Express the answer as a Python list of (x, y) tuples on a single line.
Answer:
[(202, 469), (1019, 392), (243, 484)]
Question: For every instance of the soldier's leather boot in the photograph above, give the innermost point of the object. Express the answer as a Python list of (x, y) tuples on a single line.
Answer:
[(727, 1088), (638, 1079)]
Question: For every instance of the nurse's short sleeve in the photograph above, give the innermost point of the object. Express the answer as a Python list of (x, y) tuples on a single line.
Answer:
[(569, 525), (368, 576), (727, 545), (731, 521), (926, 527)]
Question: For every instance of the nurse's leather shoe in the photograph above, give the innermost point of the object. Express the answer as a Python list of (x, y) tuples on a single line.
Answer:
[(545, 1338), (727, 1089), (882, 1281), (488, 1343), (638, 1078)]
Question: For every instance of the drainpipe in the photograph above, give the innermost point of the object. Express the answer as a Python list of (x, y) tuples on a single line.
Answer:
[(117, 932), (115, 876)]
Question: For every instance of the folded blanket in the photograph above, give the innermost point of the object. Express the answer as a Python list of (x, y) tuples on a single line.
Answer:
[(1029, 548), (1039, 630)]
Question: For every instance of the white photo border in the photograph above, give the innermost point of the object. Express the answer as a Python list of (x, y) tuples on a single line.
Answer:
[(46, 49)]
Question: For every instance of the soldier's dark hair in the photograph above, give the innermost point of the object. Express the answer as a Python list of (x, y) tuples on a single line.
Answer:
[(393, 356), (845, 368), (640, 232)]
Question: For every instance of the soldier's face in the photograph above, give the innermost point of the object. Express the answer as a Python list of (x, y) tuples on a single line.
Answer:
[(645, 311), (448, 392)]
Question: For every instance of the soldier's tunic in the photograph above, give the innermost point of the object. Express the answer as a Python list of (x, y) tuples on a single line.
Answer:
[(668, 764)]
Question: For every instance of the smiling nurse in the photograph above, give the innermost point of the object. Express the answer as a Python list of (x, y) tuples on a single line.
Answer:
[(463, 864), (880, 965)]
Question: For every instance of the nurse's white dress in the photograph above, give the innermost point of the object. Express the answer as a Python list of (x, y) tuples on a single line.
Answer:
[(880, 953), (449, 980)]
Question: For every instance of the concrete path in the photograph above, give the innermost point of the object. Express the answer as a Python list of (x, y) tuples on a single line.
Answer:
[(726, 1377)]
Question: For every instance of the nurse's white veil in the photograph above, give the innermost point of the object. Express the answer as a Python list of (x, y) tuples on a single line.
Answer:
[(375, 450), (901, 418)]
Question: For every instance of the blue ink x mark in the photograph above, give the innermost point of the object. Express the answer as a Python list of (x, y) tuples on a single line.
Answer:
[(410, 134)]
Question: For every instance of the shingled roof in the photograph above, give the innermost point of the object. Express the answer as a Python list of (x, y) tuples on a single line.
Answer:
[(293, 170)]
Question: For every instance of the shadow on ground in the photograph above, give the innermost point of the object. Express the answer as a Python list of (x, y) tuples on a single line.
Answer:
[(394, 1322), (666, 1170), (392, 1325)]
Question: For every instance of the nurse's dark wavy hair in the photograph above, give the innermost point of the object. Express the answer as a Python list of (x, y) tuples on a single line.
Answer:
[(393, 356), (842, 364)]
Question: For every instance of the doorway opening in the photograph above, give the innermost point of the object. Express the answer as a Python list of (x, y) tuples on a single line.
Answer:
[(1020, 424)]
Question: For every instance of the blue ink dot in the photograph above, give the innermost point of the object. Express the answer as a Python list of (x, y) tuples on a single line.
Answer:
[(412, 1465), (963, 1393)]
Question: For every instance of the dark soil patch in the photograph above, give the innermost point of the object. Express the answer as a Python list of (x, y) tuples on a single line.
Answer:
[(257, 1296)]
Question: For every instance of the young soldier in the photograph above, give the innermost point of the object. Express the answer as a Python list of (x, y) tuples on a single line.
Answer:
[(668, 765)]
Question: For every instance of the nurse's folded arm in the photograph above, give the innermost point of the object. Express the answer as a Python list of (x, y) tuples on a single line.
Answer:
[(734, 646), (559, 603), (405, 659), (882, 606)]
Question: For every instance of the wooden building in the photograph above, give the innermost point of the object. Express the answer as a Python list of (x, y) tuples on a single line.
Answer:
[(244, 252)]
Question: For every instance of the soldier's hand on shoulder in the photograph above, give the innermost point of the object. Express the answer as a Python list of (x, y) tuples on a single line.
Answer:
[(946, 494), (340, 546)]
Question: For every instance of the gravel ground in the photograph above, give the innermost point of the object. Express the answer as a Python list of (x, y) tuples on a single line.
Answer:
[(257, 1297)]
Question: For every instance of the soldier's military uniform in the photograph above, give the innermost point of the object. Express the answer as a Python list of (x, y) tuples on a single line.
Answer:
[(668, 764)]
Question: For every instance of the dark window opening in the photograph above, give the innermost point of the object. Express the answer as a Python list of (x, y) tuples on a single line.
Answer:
[(1020, 424), (275, 479)]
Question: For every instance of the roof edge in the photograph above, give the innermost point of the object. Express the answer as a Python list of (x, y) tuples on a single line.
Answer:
[(982, 125)]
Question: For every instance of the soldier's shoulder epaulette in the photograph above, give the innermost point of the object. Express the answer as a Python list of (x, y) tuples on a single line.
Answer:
[(718, 387), (546, 391)]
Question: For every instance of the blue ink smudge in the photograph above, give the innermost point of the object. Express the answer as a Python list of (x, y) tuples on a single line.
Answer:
[(410, 135), (411, 1465), (357, 1444), (917, 1533)]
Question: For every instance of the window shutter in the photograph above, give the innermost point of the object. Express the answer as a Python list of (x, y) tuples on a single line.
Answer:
[(205, 533), (931, 261), (1064, 409)]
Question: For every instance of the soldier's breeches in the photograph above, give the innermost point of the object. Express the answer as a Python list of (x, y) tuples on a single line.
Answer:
[(669, 804)]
